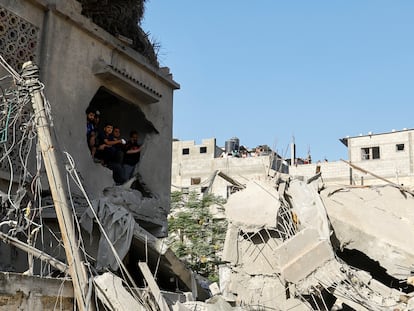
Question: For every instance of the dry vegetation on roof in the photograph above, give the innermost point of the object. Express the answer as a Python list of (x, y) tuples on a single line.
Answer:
[(123, 17)]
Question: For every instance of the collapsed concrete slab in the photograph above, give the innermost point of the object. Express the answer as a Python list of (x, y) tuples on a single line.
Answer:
[(308, 207), (113, 294), (262, 207), (252, 250), (377, 221), (291, 264), (302, 254)]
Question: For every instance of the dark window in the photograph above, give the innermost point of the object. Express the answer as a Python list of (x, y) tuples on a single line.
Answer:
[(186, 151), (370, 153), (185, 190), (375, 153), (399, 147), (195, 181), (365, 153), (203, 149), (204, 190)]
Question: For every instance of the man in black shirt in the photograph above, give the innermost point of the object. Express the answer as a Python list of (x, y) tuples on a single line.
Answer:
[(132, 155)]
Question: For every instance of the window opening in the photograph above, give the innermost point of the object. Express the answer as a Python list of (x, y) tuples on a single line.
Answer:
[(203, 149), (186, 151), (370, 153), (375, 152), (399, 147), (365, 153), (115, 133), (195, 180)]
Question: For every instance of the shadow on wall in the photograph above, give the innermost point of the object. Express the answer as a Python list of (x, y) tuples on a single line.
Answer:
[(115, 133), (127, 116)]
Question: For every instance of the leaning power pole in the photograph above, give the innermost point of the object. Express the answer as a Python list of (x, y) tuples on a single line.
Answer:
[(76, 265)]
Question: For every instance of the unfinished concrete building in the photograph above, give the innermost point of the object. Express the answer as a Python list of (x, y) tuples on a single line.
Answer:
[(206, 167), (389, 155), (373, 156)]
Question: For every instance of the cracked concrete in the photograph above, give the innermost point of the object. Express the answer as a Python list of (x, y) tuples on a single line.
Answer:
[(285, 236)]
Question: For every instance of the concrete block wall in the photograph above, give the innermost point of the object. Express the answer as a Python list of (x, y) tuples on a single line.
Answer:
[(194, 149), (392, 162), (21, 292), (241, 169), (394, 165), (334, 172), (340, 173)]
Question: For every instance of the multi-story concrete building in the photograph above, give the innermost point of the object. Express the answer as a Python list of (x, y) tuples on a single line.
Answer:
[(380, 157), (206, 167), (388, 156)]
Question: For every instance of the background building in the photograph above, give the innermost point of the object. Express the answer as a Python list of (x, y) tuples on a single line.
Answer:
[(387, 155), (208, 168)]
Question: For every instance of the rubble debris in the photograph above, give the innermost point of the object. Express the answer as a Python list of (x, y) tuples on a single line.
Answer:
[(113, 295), (284, 237), (285, 249), (152, 285), (377, 221), (262, 199), (118, 226), (118, 210), (216, 303)]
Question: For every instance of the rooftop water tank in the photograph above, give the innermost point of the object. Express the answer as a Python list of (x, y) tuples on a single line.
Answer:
[(232, 145)]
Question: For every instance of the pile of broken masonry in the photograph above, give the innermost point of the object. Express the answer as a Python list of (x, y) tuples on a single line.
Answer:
[(295, 244)]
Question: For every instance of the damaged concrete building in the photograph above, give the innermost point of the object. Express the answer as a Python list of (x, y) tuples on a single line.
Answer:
[(85, 66), (293, 243), (65, 57)]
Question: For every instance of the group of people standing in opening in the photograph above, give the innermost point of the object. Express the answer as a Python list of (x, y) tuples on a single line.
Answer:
[(109, 148)]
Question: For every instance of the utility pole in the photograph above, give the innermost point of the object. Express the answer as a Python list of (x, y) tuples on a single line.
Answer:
[(76, 265)]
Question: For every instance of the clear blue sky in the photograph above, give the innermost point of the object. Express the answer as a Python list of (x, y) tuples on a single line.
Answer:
[(267, 70)]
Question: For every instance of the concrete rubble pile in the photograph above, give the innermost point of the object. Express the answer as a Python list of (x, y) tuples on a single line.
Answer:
[(294, 244)]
